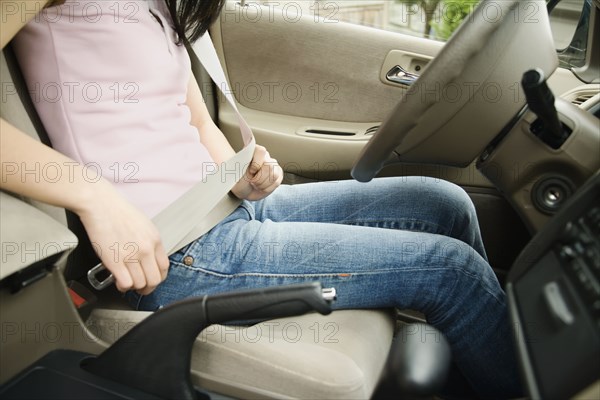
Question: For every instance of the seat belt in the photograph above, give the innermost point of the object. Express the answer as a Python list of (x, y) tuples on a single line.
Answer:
[(209, 201)]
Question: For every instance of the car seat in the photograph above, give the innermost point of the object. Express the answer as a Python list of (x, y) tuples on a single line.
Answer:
[(340, 355)]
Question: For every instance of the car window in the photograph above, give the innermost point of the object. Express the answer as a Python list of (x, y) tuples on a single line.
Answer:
[(433, 19), (569, 21), (563, 20)]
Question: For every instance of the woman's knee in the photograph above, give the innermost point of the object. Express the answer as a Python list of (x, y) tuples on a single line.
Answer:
[(456, 196), (470, 270), (459, 205)]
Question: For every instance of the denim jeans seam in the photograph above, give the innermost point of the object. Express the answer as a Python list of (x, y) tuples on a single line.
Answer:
[(258, 274), (401, 225), (457, 211), (480, 282), (332, 274), (370, 205), (249, 208)]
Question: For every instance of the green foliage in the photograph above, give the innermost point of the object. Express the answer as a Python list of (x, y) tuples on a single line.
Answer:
[(450, 15), (428, 7)]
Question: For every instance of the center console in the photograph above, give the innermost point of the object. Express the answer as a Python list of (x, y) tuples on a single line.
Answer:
[(554, 296)]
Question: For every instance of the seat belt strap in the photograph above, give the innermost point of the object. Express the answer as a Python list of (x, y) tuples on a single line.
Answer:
[(208, 202)]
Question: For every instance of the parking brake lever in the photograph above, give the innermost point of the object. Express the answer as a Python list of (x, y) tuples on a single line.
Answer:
[(155, 355)]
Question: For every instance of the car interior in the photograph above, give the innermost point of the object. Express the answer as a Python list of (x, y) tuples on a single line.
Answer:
[(508, 108)]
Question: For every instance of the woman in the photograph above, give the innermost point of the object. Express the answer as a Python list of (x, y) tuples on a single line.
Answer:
[(130, 105)]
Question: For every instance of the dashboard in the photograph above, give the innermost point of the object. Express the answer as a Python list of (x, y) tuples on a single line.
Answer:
[(554, 299)]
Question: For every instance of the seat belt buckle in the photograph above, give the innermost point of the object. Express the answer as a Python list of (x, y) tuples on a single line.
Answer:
[(83, 298), (100, 278)]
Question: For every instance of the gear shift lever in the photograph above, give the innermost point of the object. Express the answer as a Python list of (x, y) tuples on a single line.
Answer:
[(541, 101)]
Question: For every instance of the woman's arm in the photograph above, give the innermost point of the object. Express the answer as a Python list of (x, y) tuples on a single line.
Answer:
[(106, 216), (263, 175)]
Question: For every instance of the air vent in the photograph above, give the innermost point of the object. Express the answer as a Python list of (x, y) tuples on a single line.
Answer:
[(372, 130), (579, 100), (584, 96)]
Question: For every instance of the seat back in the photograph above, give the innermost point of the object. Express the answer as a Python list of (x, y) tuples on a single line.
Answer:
[(18, 109)]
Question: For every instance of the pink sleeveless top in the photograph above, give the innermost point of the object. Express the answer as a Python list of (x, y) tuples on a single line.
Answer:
[(109, 84)]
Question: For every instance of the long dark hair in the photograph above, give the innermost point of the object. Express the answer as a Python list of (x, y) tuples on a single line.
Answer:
[(193, 17)]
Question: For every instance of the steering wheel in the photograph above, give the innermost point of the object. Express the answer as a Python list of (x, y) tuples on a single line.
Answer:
[(468, 92)]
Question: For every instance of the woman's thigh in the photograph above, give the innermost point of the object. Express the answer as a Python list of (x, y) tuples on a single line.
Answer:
[(370, 267), (407, 203), (396, 232)]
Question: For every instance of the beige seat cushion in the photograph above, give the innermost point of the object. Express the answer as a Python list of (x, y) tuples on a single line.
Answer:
[(337, 356)]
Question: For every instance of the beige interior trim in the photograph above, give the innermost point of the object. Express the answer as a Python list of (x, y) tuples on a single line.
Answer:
[(323, 157), (272, 64), (563, 80), (29, 235), (521, 160), (589, 393), (38, 319)]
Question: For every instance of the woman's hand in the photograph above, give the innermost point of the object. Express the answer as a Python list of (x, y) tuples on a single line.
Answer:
[(262, 177), (126, 241)]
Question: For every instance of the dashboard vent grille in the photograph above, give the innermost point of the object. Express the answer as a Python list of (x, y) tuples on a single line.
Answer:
[(579, 100), (584, 96)]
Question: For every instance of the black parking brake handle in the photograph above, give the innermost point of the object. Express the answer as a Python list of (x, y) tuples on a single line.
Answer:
[(155, 355)]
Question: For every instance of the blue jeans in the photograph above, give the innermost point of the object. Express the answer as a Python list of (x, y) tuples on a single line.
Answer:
[(411, 243)]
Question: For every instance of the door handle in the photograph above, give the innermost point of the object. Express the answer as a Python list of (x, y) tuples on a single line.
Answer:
[(399, 75)]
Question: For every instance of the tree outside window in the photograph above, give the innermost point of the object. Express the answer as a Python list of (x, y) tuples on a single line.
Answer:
[(441, 17), (433, 19)]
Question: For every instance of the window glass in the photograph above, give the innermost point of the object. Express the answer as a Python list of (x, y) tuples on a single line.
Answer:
[(437, 19), (563, 20), (434, 19), (569, 21)]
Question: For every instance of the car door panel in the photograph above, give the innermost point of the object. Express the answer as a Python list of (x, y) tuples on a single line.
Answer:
[(312, 69), (266, 56)]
